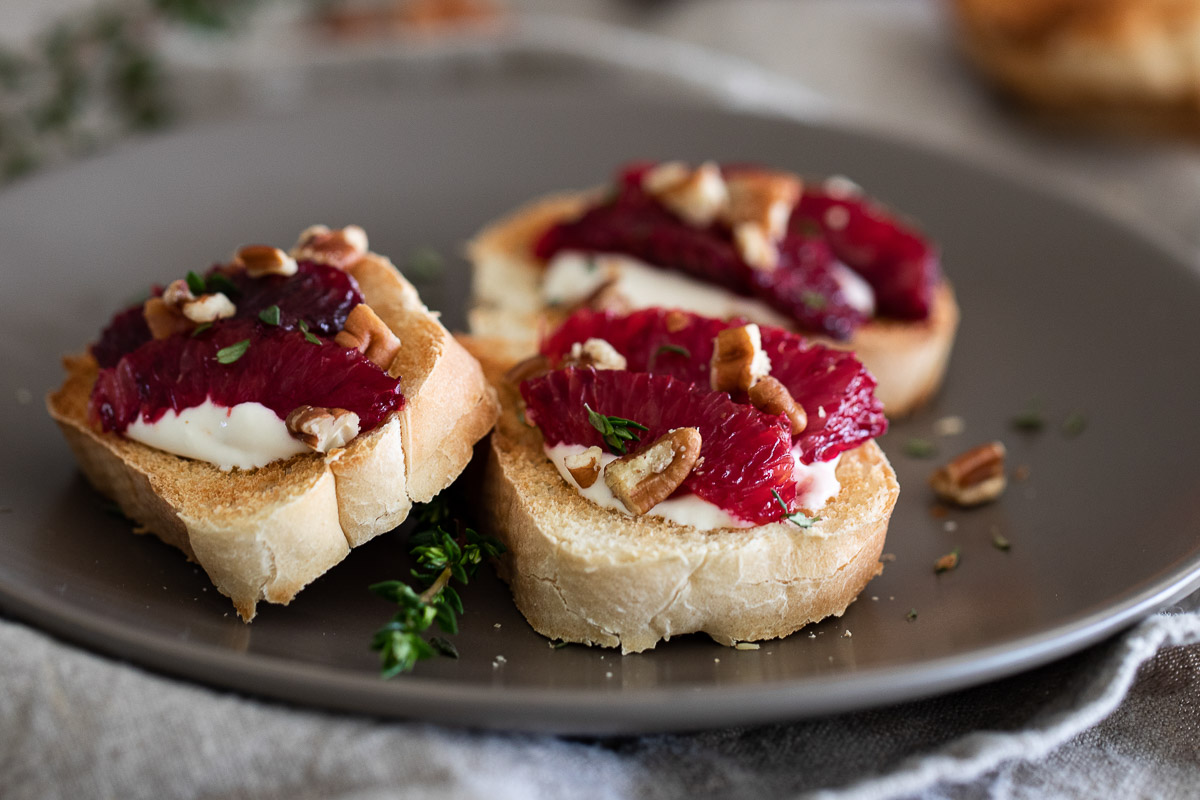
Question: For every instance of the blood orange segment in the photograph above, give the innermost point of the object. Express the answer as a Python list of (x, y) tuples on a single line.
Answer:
[(280, 369), (746, 453), (833, 386), (902, 266)]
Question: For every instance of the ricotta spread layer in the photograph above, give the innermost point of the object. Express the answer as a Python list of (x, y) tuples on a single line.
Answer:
[(816, 485), (571, 276), (245, 436)]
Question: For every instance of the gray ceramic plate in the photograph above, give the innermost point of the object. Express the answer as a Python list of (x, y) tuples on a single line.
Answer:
[(1059, 303)]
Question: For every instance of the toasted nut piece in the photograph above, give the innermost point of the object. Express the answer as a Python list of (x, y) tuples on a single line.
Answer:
[(772, 397), (676, 321), (644, 479), (532, 367), (698, 196), (755, 246), (339, 248), (177, 293), (163, 320), (763, 199), (209, 308), (974, 477), (594, 353), (323, 429), (605, 297), (584, 467), (738, 360), (369, 335), (261, 259)]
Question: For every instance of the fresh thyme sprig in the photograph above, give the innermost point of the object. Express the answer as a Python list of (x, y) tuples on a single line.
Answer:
[(797, 519), (615, 430), (442, 557)]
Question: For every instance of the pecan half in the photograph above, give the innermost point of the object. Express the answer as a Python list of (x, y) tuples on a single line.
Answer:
[(584, 467), (644, 479), (697, 195), (323, 429), (368, 334), (738, 360), (770, 396), (337, 248), (974, 477), (261, 259), (596, 353)]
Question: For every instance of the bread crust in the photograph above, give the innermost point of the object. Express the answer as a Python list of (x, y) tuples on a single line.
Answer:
[(1120, 63), (908, 359), (582, 573), (265, 534)]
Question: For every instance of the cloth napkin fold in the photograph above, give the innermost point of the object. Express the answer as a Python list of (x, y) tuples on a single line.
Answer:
[(77, 725)]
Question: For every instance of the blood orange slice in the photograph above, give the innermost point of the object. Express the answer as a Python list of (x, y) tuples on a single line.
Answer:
[(833, 386), (746, 453)]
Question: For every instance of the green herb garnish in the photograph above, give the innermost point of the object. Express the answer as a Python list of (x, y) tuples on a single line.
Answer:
[(1031, 419), (228, 355), (309, 335), (195, 283), (999, 542), (673, 348), (797, 519), (1074, 424), (615, 430), (911, 616), (441, 558), (919, 448), (219, 282), (424, 263), (201, 328), (270, 315), (813, 301)]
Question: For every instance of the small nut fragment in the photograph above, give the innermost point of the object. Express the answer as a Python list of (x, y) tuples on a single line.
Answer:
[(177, 293), (644, 479), (596, 353), (698, 196), (974, 477), (584, 467), (605, 297), (772, 397), (738, 360), (164, 320), (261, 259), (209, 308), (763, 199), (339, 248), (323, 429), (755, 247), (368, 334), (677, 320), (532, 367)]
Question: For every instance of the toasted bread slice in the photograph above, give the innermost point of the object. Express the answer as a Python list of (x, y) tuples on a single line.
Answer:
[(265, 534), (907, 358), (582, 573)]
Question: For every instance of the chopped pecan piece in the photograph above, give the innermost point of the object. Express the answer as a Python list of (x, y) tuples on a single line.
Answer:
[(770, 396), (974, 477), (532, 367), (605, 297), (340, 248), (738, 360), (368, 334), (594, 353), (323, 429), (697, 195), (164, 320), (209, 308), (261, 259), (644, 479), (584, 467), (763, 199)]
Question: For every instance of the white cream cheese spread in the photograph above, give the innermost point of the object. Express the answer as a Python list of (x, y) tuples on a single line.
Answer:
[(245, 436), (572, 276), (817, 484)]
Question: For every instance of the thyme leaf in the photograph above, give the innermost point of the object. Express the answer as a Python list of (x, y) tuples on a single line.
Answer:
[(616, 431), (228, 355), (797, 519), (270, 315)]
